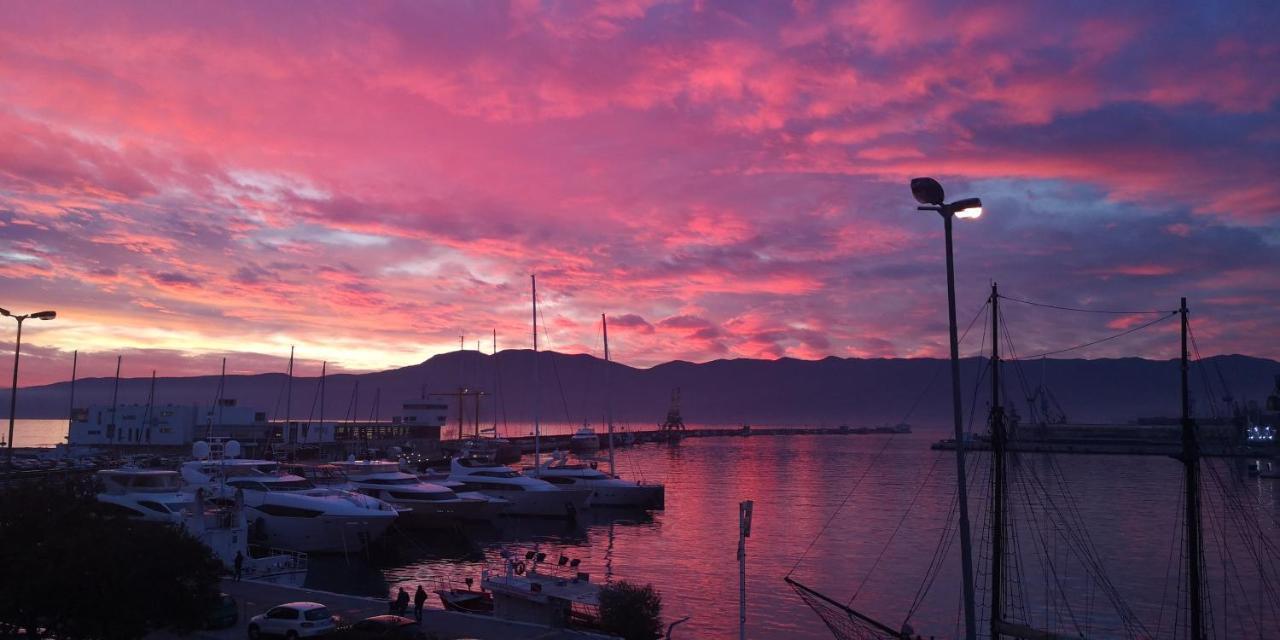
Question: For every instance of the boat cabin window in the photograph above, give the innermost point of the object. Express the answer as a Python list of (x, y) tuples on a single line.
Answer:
[(390, 481), (119, 511), (157, 481), (559, 480), (496, 474), (301, 484), (287, 512), (490, 486), (425, 496), (154, 506), (247, 485)]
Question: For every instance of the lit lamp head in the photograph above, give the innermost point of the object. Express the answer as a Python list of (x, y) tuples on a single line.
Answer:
[(928, 192)]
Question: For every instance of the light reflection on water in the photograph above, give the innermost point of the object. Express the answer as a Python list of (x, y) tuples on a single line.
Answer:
[(1130, 505)]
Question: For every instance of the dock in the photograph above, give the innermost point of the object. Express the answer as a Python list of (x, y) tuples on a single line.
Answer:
[(254, 598), (621, 438)]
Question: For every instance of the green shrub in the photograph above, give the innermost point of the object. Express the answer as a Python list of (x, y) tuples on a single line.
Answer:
[(631, 611)]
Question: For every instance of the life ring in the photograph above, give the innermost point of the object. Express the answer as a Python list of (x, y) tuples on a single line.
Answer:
[(520, 568)]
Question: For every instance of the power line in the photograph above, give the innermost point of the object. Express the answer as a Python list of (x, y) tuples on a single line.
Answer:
[(1169, 314), (1063, 308)]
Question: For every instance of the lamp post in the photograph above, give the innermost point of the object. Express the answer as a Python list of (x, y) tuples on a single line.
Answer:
[(931, 197), (17, 349)]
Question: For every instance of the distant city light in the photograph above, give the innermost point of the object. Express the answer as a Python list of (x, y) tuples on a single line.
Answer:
[(1261, 433)]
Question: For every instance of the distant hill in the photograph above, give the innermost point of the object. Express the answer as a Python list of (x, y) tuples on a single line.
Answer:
[(787, 391)]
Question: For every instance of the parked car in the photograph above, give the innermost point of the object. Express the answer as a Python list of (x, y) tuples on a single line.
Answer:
[(293, 620), (226, 613), (383, 627)]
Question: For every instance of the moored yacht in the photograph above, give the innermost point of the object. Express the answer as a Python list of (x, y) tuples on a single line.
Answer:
[(422, 504), (584, 440), (528, 496), (148, 494), (606, 490), (290, 511)]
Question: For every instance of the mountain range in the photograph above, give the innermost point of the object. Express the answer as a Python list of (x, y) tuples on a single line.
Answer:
[(831, 391)]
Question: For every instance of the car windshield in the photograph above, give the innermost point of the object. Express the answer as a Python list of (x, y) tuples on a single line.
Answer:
[(317, 614), (290, 485)]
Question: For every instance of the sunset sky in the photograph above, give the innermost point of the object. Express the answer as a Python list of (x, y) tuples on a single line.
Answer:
[(370, 180)]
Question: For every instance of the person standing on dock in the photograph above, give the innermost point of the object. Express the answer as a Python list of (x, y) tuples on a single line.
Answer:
[(239, 562), (419, 599), (402, 602)]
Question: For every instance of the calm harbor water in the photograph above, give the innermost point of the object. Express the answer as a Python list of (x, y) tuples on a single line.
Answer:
[(1129, 504), (884, 502)]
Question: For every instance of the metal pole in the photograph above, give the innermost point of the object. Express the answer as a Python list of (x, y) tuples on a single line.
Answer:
[(13, 391), (744, 531), (71, 404), (324, 369), (997, 474), (288, 404), (115, 404), (1191, 462), (966, 548), (537, 428), (608, 402)]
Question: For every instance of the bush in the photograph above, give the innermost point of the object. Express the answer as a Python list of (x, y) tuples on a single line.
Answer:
[(72, 570), (631, 611)]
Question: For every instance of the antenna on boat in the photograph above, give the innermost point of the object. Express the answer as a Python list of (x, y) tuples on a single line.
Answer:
[(608, 397), (324, 370), (537, 428), (222, 390)]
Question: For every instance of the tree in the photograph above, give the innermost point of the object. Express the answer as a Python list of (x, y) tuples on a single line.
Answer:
[(73, 570), (631, 611)]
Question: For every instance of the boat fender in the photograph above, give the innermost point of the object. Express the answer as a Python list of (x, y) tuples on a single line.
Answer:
[(520, 568)]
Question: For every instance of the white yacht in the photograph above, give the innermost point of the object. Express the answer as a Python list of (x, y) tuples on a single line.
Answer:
[(421, 504), (148, 494), (606, 490), (528, 496), (584, 440), (290, 511), (226, 532)]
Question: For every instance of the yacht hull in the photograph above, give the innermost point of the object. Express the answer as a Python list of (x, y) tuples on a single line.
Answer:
[(548, 504), (320, 534), (445, 514), (644, 496)]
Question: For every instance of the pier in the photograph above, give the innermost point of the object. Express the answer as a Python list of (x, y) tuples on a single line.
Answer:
[(253, 598), (625, 438)]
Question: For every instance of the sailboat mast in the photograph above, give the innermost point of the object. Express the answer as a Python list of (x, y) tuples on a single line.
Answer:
[(608, 396), (222, 390), (537, 428), (1191, 464), (115, 402), (997, 474), (324, 370), (288, 403), (149, 416), (495, 382), (71, 405)]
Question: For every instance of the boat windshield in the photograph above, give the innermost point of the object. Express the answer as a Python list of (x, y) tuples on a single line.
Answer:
[(289, 485)]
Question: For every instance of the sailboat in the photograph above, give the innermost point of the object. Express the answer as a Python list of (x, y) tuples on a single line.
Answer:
[(607, 490), (1004, 617)]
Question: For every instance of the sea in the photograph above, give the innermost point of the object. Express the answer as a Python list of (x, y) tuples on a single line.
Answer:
[(1096, 542)]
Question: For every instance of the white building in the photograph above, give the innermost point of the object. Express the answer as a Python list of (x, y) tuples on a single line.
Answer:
[(158, 425)]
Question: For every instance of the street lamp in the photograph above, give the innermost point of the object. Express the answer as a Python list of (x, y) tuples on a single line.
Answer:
[(931, 197), (17, 349)]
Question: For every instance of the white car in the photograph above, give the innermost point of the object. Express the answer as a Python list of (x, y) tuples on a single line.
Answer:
[(293, 620)]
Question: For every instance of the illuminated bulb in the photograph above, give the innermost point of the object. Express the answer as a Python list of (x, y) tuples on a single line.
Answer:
[(969, 214)]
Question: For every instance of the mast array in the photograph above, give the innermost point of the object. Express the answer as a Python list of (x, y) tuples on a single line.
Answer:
[(998, 480)]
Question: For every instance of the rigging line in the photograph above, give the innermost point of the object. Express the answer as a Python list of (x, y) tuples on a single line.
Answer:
[(942, 366), (907, 512), (844, 500), (564, 400), (875, 459), (1063, 308), (1100, 341)]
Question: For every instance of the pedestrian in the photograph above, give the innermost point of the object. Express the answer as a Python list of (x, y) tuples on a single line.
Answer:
[(239, 562), (402, 602), (419, 599)]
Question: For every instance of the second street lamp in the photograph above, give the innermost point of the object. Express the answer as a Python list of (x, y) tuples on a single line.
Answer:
[(931, 197), (17, 350)]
